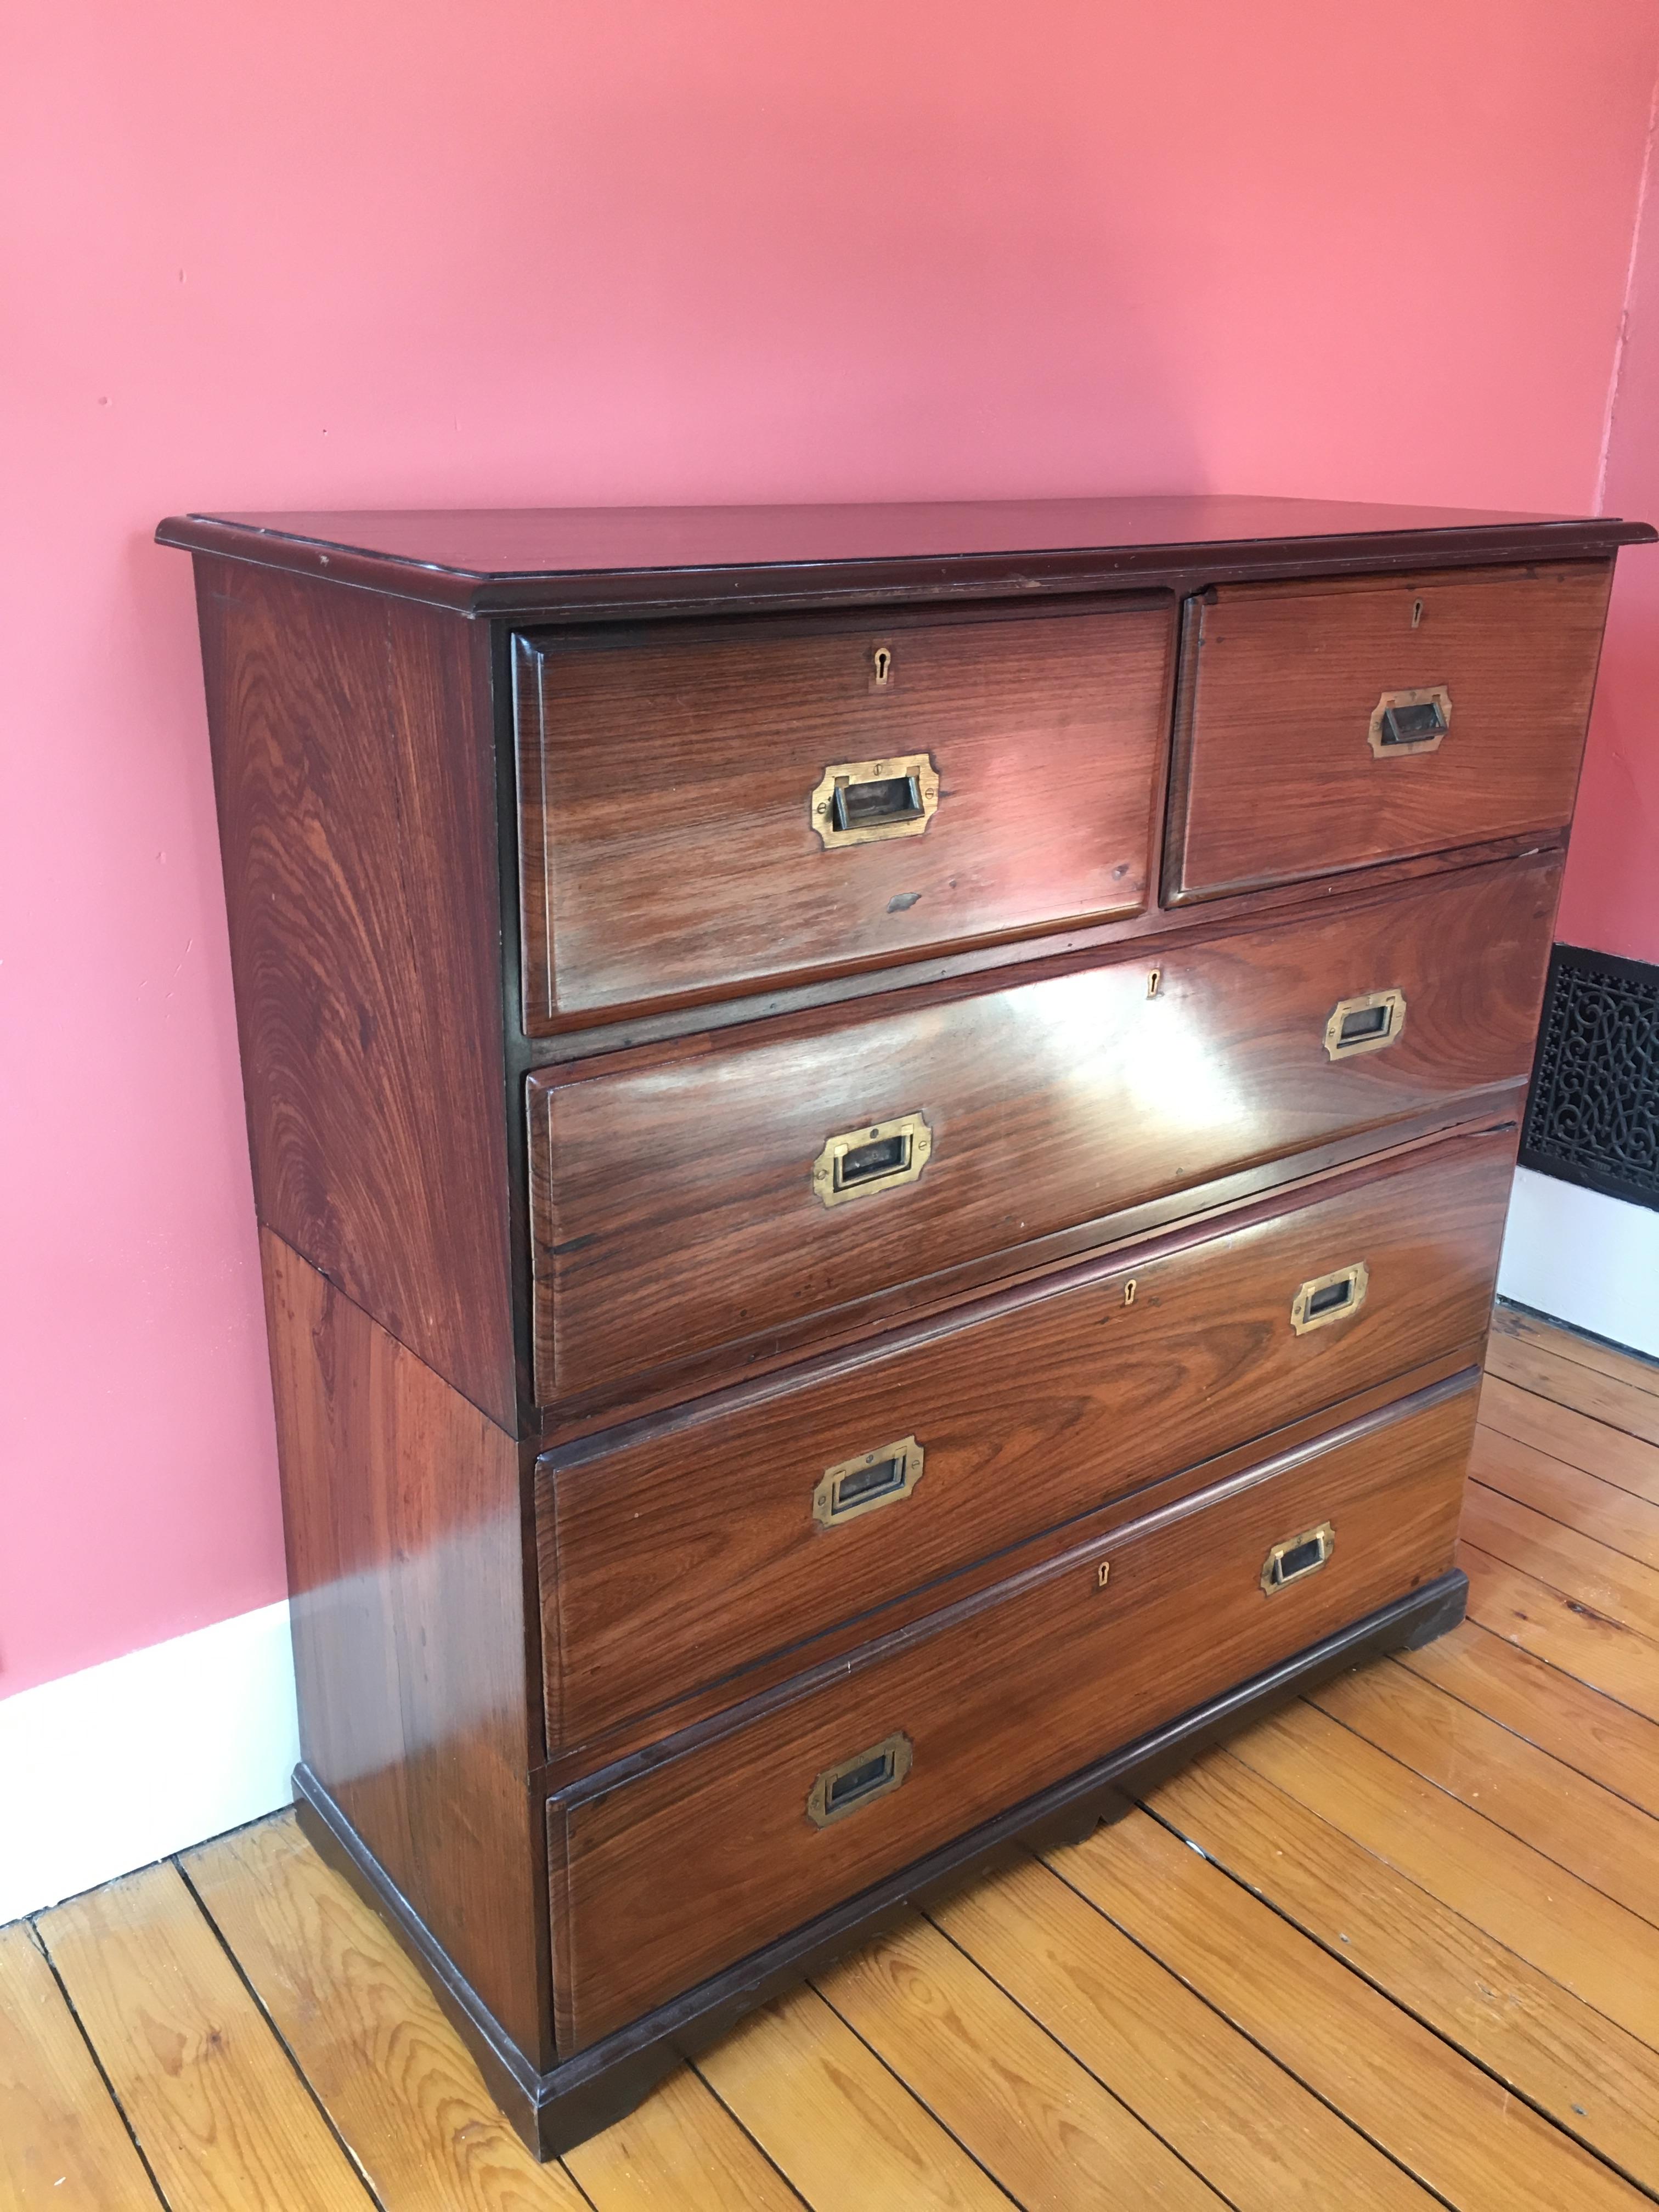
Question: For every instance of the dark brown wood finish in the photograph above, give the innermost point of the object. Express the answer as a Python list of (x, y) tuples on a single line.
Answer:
[(401, 1507), (551, 998), (575, 2099), (561, 562), (1280, 686), (1000, 1703), (683, 1556), (668, 842), (673, 1209), (353, 765)]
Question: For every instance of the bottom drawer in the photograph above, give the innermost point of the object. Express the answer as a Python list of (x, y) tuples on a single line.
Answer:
[(662, 1877)]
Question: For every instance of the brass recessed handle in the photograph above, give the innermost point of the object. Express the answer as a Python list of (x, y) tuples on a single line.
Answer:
[(1410, 722), (877, 1157), (881, 1477), (860, 802), (859, 1780), (1325, 1298), (1365, 1024), (1297, 1557)]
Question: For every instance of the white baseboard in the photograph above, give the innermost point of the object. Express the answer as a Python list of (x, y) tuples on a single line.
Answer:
[(1590, 1260), (123, 1764)]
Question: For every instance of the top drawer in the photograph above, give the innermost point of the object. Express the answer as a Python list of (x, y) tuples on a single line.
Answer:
[(709, 808), (1334, 726)]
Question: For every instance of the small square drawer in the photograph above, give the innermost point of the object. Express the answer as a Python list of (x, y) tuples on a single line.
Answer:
[(710, 808), (1327, 727), (779, 1189), (685, 1554), (663, 1876)]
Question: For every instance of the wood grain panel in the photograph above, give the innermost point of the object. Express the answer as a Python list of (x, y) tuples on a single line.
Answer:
[(664, 1878), (1280, 682), (1595, 2080), (1542, 1802), (1215, 2096), (1010, 2094), (220, 2114), (353, 758), (62, 2144), (1461, 2132), (401, 1506), (668, 846), (681, 1556), (673, 1208)]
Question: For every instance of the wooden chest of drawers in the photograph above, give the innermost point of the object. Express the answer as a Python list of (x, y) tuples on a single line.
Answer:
[(881, 1137)]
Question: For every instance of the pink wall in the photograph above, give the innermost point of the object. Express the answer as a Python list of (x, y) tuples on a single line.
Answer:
[(345, 251), (1611, 897)]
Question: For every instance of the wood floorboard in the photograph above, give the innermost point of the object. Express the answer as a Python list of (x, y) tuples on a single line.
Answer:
[(217, 2108), (1587, 2075), (1035, 2119), (1621, 1404), (1535, 1797), (63, 2145), (1629, 1463), (1584, 1502), (1526, 1327), (1396, 1947), (1599, 1651), (1446, 2121)]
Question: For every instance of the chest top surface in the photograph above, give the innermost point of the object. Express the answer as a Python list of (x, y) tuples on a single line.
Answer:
[(510, 561)]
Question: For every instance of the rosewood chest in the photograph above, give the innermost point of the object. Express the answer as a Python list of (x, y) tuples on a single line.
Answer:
[(881, 1136)]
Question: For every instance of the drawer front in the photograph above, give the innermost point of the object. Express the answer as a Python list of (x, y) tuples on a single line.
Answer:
[(664, 1879), (709, 810), (669, 1562), (1393, 716), (690, 1205)]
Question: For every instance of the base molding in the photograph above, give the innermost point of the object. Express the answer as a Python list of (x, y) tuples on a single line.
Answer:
[(1582, 1258), (556, 2110)]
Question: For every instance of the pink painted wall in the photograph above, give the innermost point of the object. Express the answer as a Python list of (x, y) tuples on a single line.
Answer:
[(349, 252), (1611, 897)]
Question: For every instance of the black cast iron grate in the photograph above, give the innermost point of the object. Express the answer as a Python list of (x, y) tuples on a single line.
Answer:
[(1593, 1111)]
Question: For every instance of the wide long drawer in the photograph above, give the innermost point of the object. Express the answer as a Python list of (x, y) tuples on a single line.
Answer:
[(661, 1878), (681, 1555), (707, 807), (703, 1202)]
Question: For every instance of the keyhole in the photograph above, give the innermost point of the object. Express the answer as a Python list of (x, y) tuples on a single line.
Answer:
[(1417, 612), (883, 663)]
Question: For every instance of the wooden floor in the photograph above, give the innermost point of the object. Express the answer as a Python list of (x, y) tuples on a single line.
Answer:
[(1397, 1947)]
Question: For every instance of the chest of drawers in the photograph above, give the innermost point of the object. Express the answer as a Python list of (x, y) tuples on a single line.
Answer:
[(881, 1137)]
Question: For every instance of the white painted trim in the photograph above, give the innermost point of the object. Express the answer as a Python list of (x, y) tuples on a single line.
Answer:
[(122, 1763), (1589, 1261)]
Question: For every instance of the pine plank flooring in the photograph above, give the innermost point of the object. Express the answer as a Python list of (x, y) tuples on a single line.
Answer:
[(1397, 1947)]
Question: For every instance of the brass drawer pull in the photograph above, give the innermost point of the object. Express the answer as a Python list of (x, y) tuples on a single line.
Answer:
[(875, 1478), (1365, 1024), (1326, 1299), (859, 1780), (1294, 1560), (858, 802), (877, 1157), (1410, 721)]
